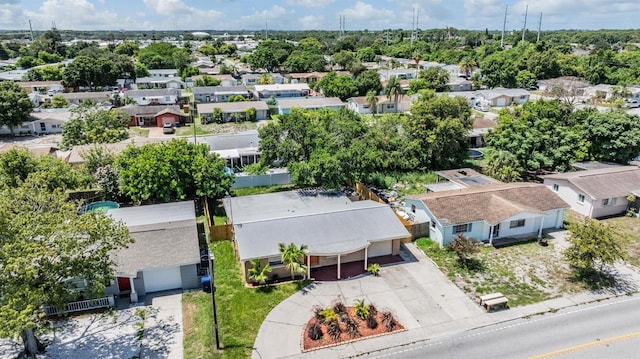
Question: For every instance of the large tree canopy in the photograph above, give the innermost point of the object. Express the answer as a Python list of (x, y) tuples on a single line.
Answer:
[(613, 136), (45, 246), (15, 105), (172, 170), (89, 124)]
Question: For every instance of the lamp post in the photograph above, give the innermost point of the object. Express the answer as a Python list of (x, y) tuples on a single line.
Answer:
[(213, 300)]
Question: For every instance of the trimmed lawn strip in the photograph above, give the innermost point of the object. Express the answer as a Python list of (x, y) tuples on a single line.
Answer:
[(525, 273), (141, 132), (241, 310)]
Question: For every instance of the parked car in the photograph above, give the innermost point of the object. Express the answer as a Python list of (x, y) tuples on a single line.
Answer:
[(630, 103), (168, 129)]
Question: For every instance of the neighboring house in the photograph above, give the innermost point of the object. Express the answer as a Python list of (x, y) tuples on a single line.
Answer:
[(250, 79), (602, 91), (238, 149), (334, 229), (459, 84), (488, 212), (159, 82), (218, 93), (310, 103), (384, 105), (168, 96), (44, 122), (163, 73), (481, 127), (232, 111), (453, 70), (596, 193), (401, 74), (154, 116), (78, 98), (306, 77), (501, 97), (165, 254), (577, 85), (37, 150), (264, 92), (43, 87)]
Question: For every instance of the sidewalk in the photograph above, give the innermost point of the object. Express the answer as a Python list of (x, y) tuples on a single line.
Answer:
[(421, 297)]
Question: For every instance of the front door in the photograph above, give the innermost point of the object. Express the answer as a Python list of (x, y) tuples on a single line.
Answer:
[(496, 230), (124, 285)]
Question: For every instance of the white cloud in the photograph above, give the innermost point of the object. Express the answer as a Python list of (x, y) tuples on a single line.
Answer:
[(312, 22), (277, 17), (362, 11), (169, 7), (73, 14), (310, 3)]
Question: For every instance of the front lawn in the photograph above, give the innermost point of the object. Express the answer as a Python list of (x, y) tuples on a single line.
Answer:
[(526, 273), (629, 230), (241, 310)]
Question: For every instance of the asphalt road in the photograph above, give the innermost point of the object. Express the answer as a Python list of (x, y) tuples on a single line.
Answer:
[(610, 329)]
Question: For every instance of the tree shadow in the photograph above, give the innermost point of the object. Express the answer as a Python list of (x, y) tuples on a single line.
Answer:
[(159, 335), (606, 281), (471, 264)]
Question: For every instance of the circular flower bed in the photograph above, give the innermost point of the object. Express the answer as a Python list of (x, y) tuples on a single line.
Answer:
[(339, 324)]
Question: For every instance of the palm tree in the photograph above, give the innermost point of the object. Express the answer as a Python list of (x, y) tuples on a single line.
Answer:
[(393, 89), (416, 57), (293, 258), (265, 79), (467, 65), (258, 273), (372, 100)]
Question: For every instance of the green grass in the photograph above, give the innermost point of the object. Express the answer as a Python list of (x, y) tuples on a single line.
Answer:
[(526, 273), (405, 183), (142, 132), (249, 191), (629, 230), (241, 310), (188, 131)]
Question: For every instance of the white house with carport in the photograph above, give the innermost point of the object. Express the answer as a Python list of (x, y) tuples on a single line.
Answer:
[(335, 229), (165, 254), (238, 149), (309, 103), (488, 212), (281, 91), (598, 192), (231, 111)]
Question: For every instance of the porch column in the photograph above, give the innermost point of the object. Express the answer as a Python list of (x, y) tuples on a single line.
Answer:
[(491, 235), (308, 266), (133, 296), (366, 255), (541, 225), (338, 266)]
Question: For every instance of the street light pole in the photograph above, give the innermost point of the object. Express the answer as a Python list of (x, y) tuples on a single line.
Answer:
[(213, 299)]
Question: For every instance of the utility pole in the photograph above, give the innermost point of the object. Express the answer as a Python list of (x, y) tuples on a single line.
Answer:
[(539, 26), (413, 25), (524, 27), (30, 30), (504, 25)]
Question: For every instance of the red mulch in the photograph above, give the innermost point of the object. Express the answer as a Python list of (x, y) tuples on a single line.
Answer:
[(365, 332)]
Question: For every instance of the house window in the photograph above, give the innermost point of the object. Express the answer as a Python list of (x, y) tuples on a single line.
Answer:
[(275, 261), (608, 202), (413, 208), (167, 99), (581, 198), (390, 105), (462, 228), (433, 224), (556, 187), (517, 223), (523, 97), (43, 126)]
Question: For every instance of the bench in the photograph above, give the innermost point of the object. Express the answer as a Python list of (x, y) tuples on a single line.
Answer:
[(486, 297), (496, 301)]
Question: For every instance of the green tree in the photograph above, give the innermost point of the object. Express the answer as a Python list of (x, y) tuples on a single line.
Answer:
[(367, 81), (128, 48), (503, 166), (465, 248), (394, 90), (372, 101), (207, 80), (467, 66), (15, 166), (59, 101), (613, 136), (257, 273), (175, 170), (525, 78), (293, 258), (265, 79), (94, 125), (366, 54), (593, 245), (436, 77), (343, 58), (334, 85), (62, 246), (15, 105)]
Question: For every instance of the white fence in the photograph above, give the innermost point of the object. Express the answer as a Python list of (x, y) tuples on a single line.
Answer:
[(268, 179), (82, 305)]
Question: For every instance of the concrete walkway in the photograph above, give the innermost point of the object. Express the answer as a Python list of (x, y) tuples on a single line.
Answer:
[(427, 303), (163, 326)]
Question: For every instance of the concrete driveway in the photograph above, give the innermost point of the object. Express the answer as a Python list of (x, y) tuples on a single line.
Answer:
[(417, 292)]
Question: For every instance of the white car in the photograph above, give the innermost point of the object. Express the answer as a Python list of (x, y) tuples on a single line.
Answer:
[(632, 103)]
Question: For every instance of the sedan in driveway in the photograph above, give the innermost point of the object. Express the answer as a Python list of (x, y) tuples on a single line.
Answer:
[(168, 129)]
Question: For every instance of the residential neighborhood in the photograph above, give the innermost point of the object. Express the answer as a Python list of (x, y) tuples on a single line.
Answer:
[(316, 193)]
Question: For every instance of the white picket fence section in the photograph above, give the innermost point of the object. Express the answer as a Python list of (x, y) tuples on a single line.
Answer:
[(90, 304)]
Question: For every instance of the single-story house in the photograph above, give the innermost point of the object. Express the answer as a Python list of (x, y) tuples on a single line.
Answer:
[(78, 98), (44, 87), (250, 79), (400, 74), (459, 84), (501, 97), (312, 103), (44, 122), (596, 193), (154, 116), (167, 96), (477, 133), (163, 73), (334, 229), (231, 109), (573, 84), (238, 149), (488, 212), (218, 93), (384, 104), (166, 252), (305, 77), (264, 92), (159, 82)]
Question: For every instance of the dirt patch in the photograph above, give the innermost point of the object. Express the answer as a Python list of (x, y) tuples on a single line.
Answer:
[(363, 331)]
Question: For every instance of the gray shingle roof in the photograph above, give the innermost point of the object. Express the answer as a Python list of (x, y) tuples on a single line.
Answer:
[(310, 102), (152, 92), (605, 182), (135, 110)]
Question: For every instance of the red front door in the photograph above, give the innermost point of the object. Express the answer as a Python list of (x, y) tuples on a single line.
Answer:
[(124, 285)]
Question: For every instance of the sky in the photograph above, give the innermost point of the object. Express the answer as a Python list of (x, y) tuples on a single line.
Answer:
[(315, 14)]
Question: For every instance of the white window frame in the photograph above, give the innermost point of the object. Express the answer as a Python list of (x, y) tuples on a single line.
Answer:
[(580, 198), (517, 223), (556, 187), (458, 228)]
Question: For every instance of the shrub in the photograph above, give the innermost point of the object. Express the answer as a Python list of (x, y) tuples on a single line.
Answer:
[(389, 321), (374, 268), (352, 328), (333, 329), (372, 322), (464, 247), (362, 310), (317, 313), (339, 307), (315, 331), (329, 315)]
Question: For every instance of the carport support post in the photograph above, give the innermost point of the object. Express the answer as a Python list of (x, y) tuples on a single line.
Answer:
[(541, 225), (338, 266), (133, 297), (308, 266), (213, 299), (366, 256)]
